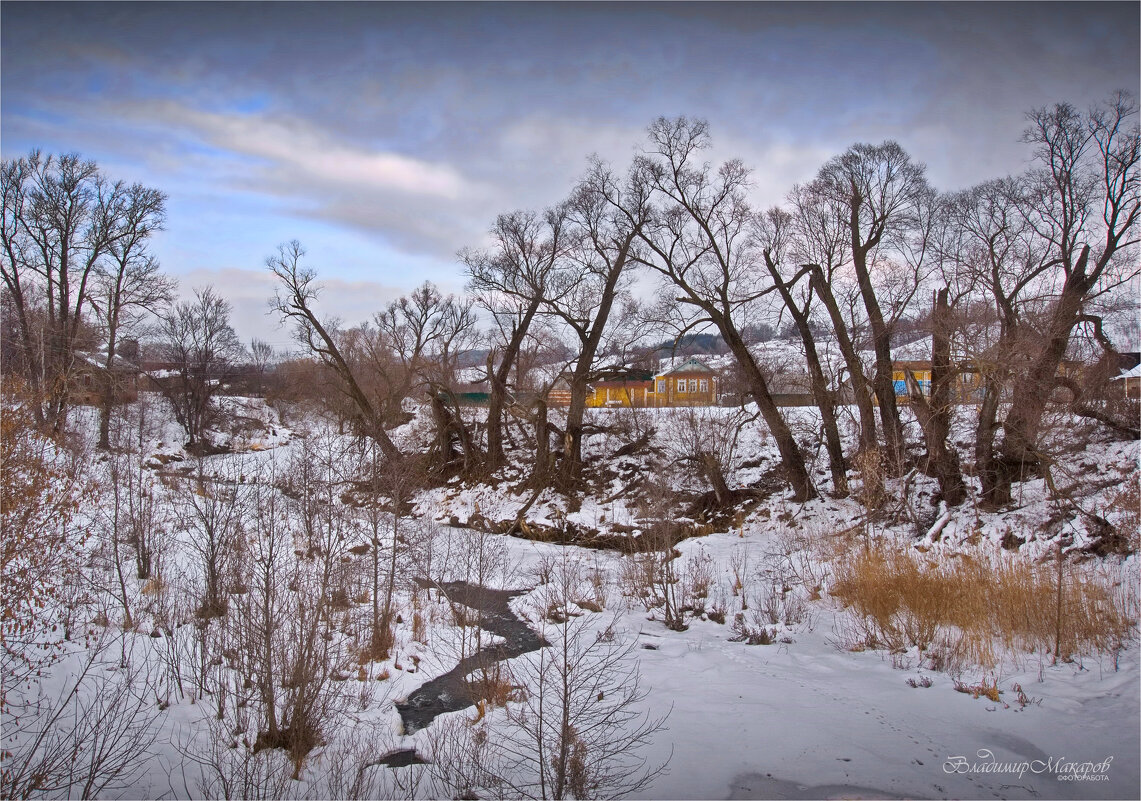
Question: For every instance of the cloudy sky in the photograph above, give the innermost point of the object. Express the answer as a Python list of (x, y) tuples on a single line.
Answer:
[(386, 136)]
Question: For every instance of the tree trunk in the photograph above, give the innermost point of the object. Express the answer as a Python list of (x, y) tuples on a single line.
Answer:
[(572, 447), (106, 400), (860, 393), (934, 415), (795, 471), (542, 445), (995, 489), (498, 377), (590, 338), (443, 445), (1024, 423), (882, 382), (821, 393), (107, 396), (712, 469)]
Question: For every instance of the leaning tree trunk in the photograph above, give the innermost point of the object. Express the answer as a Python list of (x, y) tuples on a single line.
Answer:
[(711, 467), (572, 457), (861, 395), (572, 445), (821, 393), (1023, 424), (498, 395), (793, 462)]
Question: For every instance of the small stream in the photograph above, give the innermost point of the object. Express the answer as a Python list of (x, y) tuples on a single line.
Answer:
[(449, 692)]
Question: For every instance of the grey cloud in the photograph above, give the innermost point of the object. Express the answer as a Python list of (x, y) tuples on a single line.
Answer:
[(249, 291), (419, 122)]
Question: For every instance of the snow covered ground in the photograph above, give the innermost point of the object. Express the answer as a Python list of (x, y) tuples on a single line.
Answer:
[(803, 717)]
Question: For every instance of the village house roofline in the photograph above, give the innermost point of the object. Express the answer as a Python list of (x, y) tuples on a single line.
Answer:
[(1131, 373), (690, 365), (98, 360)]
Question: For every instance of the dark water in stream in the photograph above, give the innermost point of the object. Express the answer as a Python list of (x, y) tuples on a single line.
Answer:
[(449, 692)]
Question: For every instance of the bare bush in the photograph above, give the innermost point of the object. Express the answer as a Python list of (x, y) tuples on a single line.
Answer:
[(95, 734), (576, 732), (707, 439), (40, 493), (213, 507)]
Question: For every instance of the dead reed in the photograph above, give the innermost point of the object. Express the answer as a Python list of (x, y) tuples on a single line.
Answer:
[(973, 610)]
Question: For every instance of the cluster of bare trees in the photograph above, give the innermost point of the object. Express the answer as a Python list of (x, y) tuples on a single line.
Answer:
[(1014, 268), (80, 282), (73, 242)]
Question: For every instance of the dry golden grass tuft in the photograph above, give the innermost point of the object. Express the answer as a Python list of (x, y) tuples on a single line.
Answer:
[(492, 685), (985, 689), (153, 586), (972, 610)]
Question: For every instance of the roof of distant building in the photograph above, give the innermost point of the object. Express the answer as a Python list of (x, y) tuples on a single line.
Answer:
[(690, 365)]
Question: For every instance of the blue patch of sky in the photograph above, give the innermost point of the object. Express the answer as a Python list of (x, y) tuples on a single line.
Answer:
[(251, 104)]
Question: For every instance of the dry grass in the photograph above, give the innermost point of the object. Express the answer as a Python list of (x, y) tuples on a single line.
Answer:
[(419, 627), (154, 586), (492, 686), (975, 610), (985, 689), (871, 491)]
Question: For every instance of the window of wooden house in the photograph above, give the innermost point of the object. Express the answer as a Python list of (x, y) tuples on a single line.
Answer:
[(704, 385), (681, 385), (662, 387)]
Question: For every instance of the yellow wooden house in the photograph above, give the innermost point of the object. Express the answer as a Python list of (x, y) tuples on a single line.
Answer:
[(690, 383)]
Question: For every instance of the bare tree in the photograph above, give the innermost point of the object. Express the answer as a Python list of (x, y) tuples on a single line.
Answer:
[(698, 242), (883, 198), (200, 348), (510, 281), (294, 302), (773, 231), (389, 539), (1027, 245), (935, 410), (263, 359), (40, 550), (821, 240), (95, 735), (1083, 200), (60, 217), (578, 732), (127, 285), (708, 439), (287, 651), (995, 256), (214, 508), (587, 290), (422, 335)]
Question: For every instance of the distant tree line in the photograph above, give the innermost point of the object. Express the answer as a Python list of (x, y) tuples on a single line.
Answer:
[(1003, 277)]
